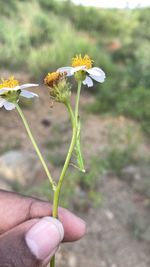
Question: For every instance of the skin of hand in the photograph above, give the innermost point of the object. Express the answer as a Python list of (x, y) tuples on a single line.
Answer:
[(29, 236)]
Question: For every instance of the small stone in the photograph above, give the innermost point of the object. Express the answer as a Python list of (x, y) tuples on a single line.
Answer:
[(18, 166), (109, 214), (72, 260)]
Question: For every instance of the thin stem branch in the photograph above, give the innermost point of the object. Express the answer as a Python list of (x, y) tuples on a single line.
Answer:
[(77, 102), (70, 111), (36, 147)]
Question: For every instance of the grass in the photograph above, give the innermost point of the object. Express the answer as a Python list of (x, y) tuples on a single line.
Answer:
[(37, 36)]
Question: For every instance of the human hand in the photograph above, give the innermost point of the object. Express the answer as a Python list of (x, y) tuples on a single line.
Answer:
[(29, 237)]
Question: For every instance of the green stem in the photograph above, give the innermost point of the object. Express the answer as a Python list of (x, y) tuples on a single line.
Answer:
[(52, 262), (36, 147), (70, 111), (72, 144), (77, 102), (74, 121)]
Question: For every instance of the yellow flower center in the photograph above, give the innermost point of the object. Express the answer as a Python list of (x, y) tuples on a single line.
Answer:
[(82, 61), (11, 82), (53, 78)]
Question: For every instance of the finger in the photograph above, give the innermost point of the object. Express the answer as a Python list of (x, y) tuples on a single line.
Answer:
[(15, 209), (31, 243), (74, 227)]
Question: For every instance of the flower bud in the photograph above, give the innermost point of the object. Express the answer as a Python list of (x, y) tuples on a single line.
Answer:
[(59, 87)]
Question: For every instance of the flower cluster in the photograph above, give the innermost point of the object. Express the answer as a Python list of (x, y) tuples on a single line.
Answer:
[(60, 90)]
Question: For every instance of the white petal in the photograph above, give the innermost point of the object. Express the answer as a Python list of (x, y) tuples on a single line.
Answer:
[(99, 79), (27, 94), (88, 81), (75, 69), (68, 70), (8, 105), (27, 85), (97, 74), (2, 101), (95, 71)]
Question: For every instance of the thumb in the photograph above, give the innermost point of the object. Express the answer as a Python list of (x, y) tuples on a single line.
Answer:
[(32, 243)]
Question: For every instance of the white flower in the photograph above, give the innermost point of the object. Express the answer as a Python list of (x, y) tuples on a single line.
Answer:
[(80, 63), (94, 73), (4, 90)]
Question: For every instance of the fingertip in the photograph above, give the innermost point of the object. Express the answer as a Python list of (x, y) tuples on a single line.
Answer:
[(44, 237), (74, 226)]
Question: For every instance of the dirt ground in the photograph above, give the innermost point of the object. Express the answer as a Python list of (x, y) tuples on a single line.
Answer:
[(110, 240)]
